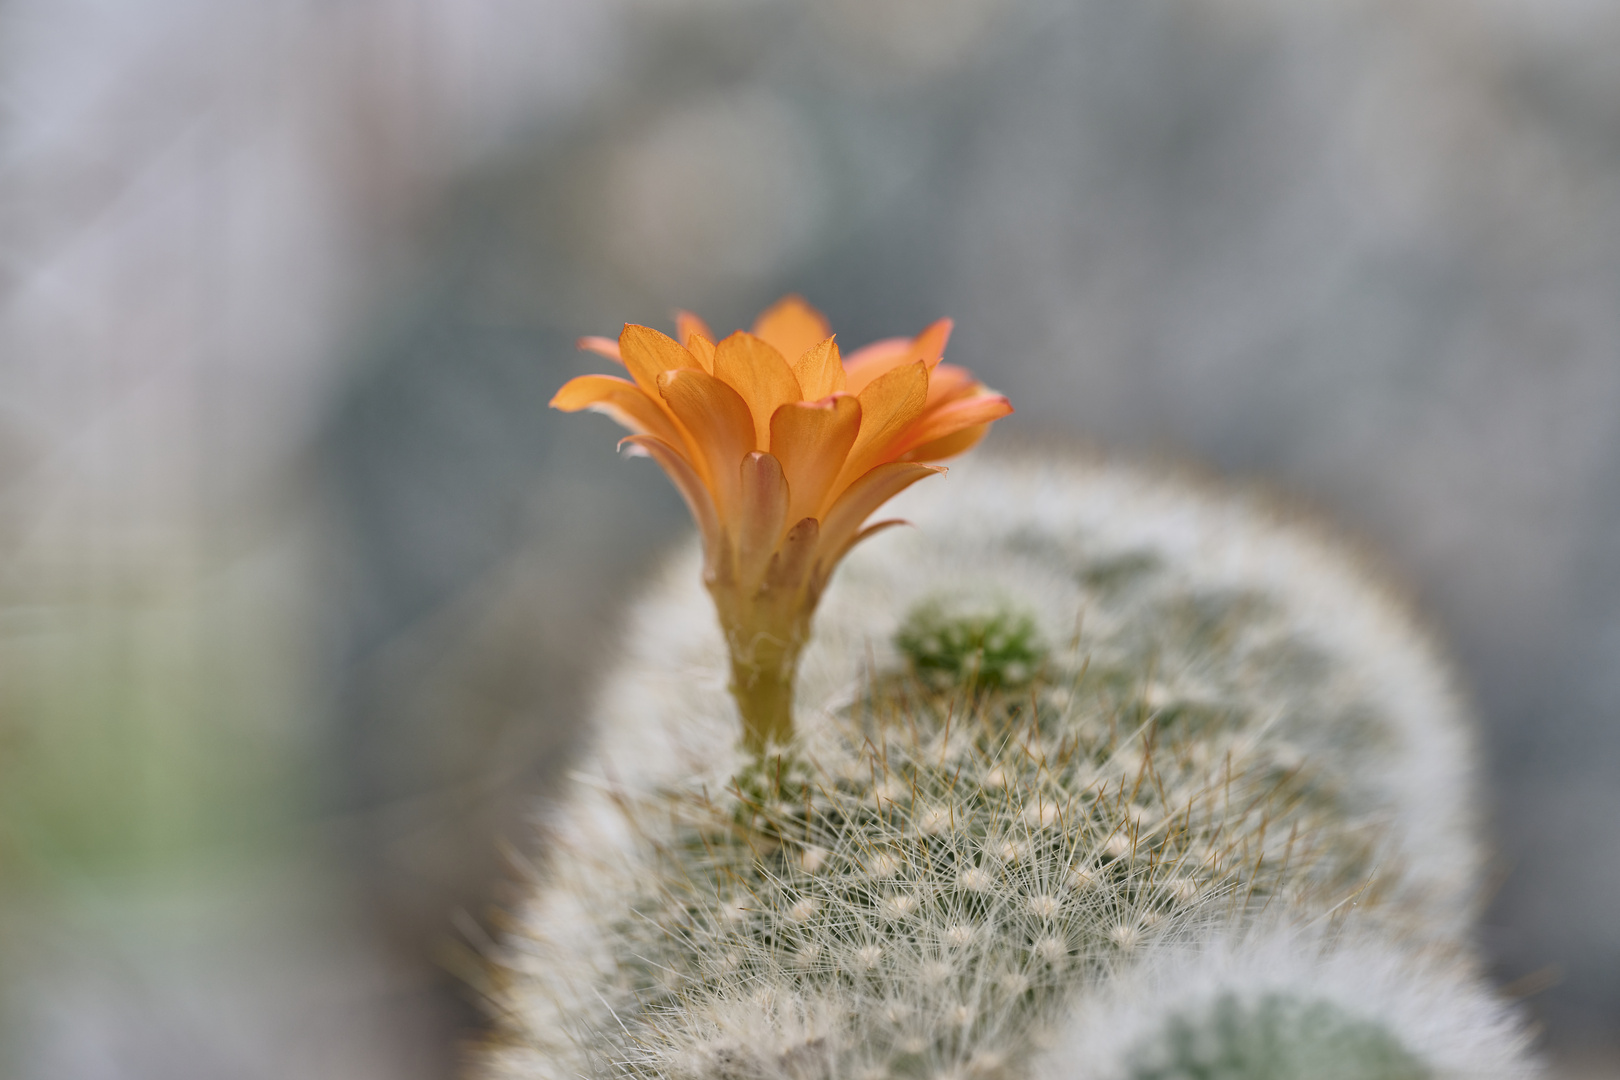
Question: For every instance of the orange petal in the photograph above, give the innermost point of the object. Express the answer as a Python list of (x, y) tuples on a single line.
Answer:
[(793, 561), (869, 361), (721, 430), (702, 348), (648, 354), (688, 325), (870, 491), (764, 514), (888, 406), (819, 371), (865, 365), (812, 439), (828, 559), (834, 558), (792, 326), (947, 382), (949, 446), (620, 399), (686, 481), (929, 346), (602, 346), (949, 419), (754, 369)]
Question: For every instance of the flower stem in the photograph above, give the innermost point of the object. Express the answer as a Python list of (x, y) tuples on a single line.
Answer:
[(762, 684), (765, 631)]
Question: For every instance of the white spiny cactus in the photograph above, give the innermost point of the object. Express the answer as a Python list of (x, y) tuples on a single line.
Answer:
[(1211, 601), (1078, 711), (1280, 999)]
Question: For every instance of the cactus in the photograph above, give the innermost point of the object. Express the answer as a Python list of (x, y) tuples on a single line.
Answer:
[(1274, 1035), (1079, 715), (1283, 999), (994, 649)]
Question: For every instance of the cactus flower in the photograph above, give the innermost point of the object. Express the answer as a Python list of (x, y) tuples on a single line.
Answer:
[(783, 450)]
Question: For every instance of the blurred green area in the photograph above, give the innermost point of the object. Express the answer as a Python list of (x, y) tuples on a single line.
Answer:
[(143, 734)]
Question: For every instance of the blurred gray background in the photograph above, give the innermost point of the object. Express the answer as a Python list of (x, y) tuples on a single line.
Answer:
[(304, 587)]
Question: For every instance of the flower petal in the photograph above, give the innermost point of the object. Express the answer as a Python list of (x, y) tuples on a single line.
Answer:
[(687, 482), (865, 365), (855, 505), (819, 371), (764, 514), (869, 361), (828, 558), (702, 348), (790, 566), (688, 325), (949, 419), (601, 346), (949, 446), (812, 439), (871, 530), (929, 346), (947, 382), (721, 430), (620, 399), (648, 354), (754, 369), (792, 326), (888, 406)]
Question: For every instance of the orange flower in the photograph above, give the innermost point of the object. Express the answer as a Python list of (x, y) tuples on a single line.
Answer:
[(782, 450)]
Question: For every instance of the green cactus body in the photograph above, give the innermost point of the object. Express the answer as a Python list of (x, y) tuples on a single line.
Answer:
[(1285, 998), (1275, 1038), (994, 650)]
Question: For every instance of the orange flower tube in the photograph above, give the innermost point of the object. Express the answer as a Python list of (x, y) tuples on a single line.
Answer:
[(783, 450)]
